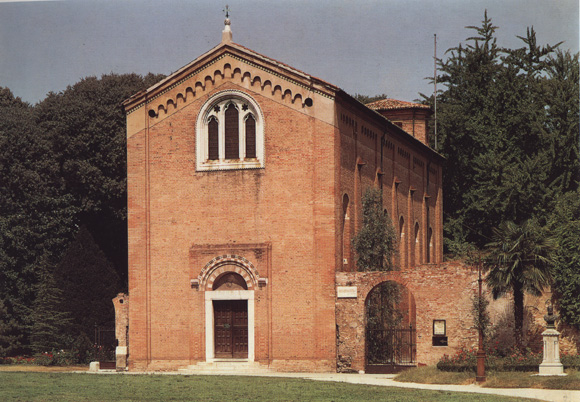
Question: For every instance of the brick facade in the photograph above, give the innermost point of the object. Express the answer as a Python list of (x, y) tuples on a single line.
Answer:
[(284, 228)]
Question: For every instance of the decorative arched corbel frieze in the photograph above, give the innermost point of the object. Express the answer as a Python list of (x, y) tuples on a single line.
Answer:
[(228, 263)]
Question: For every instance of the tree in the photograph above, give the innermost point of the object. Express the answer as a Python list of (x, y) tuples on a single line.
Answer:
[(62, 165), (10, 336), (375, 242), (520, 261), (85, 127), (35, 214), (563, 111), (88, 283), (565, 223), (504, 118), (364, 99), (49, 324)]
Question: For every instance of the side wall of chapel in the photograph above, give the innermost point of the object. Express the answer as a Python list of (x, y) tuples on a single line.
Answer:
[(374, 154), (377, 154)]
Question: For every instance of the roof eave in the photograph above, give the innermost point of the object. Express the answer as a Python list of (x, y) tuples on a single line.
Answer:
[(238, 50), (405, 135)]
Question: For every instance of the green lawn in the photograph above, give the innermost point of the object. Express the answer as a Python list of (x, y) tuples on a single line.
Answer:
[(509, 379), (64, 387)]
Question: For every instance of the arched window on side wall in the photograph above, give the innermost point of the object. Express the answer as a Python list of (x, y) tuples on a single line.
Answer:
[(346, 260), (417, 245), (402, 248), (430, 245)]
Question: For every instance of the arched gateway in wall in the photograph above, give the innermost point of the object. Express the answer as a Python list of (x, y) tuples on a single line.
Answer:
[(229, 282), (390, 328)]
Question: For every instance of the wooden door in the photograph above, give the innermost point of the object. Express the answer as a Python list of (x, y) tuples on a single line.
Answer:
[(231, 328)]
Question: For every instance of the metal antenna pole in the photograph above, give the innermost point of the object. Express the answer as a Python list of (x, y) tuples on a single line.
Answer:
[(435, 82)]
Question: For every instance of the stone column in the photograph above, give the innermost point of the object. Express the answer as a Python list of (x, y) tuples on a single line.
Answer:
[(551, 364)]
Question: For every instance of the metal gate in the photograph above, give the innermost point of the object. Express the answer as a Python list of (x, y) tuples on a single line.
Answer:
[(390, 350), (104, 347)]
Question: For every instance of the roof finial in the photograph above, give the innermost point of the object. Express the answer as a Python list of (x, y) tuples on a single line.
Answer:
[(227, 32)]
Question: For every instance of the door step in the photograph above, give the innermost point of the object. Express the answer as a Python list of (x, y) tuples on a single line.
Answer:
[(226, 367)]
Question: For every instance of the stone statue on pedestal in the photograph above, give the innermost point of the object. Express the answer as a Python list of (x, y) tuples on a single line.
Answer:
[(551, 364)]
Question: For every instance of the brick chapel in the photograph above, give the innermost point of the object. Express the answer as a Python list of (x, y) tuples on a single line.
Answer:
[(245, 179)]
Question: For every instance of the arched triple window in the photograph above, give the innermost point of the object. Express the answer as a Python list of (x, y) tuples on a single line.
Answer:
[(230, 133)]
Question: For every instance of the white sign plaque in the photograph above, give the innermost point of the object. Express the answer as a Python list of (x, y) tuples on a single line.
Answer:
[(346, 292)]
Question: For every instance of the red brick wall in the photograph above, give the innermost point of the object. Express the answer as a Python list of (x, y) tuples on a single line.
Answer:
[(314, 155), (440, 291), (290, 204), (410, 177)]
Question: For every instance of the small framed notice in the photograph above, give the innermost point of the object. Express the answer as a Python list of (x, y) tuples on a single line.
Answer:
[(346, 292), (439, 328), (439, 333)]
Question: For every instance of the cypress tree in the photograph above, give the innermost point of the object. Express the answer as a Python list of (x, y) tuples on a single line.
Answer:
[(375, 242)]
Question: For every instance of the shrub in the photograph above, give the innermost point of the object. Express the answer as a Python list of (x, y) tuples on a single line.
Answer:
[(44, 359), (516, 360), (17, 360), (57, 358), (570, 361)]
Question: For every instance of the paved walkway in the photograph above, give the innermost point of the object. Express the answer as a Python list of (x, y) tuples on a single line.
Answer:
[(386, 380)]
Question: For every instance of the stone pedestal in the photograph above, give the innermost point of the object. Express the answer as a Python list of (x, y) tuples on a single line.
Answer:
[(551, 364), (121, 356)]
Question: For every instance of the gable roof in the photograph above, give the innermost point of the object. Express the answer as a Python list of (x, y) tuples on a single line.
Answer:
[(240, 52)]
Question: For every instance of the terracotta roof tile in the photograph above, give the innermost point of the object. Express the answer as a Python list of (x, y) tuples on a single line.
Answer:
[(392, 104)]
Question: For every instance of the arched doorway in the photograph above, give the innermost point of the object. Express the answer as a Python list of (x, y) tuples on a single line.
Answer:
[(230, 319), (390, 331), (229, 283)]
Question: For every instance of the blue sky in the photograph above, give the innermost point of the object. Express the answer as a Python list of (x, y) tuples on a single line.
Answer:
[(363, 46)]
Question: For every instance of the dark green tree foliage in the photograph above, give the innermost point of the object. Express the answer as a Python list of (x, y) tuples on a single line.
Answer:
[(364, 99), (36, 215), (62, 165), (89, 283), (86, 128), (10, 336), (519, 261), (50, 324), (503, 118), (565, 224), (562, 149), (375, 242)]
